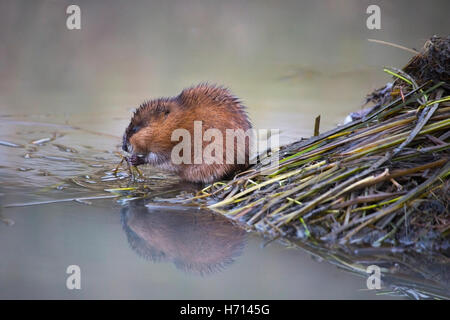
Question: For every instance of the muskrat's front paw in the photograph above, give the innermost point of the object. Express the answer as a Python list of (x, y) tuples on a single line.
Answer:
[(136, 160)]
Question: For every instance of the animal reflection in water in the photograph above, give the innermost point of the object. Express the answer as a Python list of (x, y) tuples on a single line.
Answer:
[(195, 241)]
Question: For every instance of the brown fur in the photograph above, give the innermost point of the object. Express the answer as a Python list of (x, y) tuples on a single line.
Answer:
[(155, 121)]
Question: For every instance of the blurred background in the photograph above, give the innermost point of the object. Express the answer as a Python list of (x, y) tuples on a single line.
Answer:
[(289, 61)]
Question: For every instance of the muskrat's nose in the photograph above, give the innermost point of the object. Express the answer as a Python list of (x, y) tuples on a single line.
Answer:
[(124, 144)]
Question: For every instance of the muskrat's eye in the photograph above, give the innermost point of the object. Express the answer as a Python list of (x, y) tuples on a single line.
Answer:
[(134, 129)]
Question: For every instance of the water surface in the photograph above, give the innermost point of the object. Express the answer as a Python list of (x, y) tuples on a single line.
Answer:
[(66, 98)]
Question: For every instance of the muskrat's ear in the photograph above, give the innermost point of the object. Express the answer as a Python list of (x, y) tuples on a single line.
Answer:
[(164, 112)]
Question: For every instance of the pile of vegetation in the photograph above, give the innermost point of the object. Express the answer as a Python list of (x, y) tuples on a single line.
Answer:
[(379, 179)]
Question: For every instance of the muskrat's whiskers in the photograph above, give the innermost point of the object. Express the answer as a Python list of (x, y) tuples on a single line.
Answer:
[(118, 166)]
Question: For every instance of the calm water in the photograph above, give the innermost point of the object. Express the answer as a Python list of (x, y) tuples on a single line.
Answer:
[(66, 97)]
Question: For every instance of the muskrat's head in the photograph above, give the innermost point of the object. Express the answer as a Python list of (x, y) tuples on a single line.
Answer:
[(149, 132)]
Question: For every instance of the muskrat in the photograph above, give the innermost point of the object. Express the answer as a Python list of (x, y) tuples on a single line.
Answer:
[(149, 138)]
